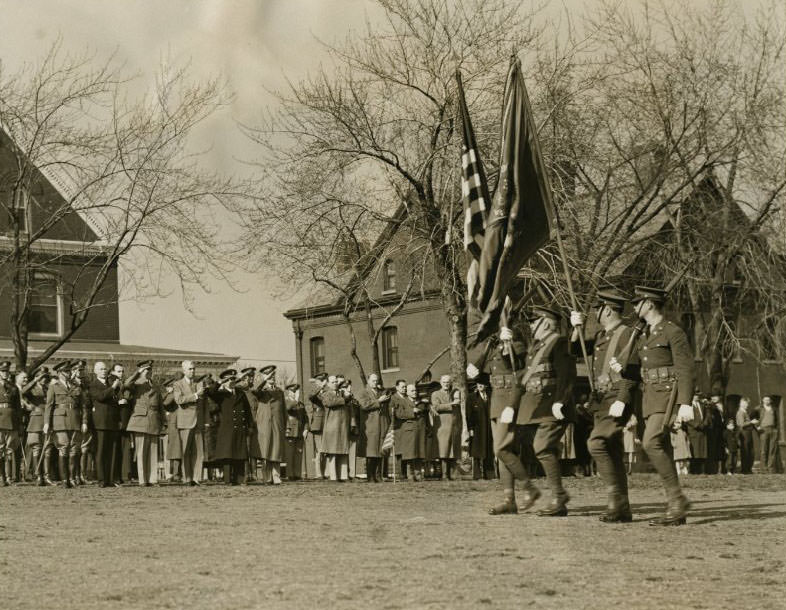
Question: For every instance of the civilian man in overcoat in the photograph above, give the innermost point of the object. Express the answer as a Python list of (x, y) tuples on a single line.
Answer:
[(446, 405), (103, 393), (270, 417), (335, 435), (412, 413), (481, 446), (190, 423), (375, 404)]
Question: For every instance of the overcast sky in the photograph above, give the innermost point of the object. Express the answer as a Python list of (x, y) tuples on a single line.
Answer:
[(253, 44)]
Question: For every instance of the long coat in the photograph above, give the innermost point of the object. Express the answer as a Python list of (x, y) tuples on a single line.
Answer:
[(147, 415), (411, 440), (680, 444), (234, 422), (11, 406), (447, 425), (376, 418), (697, 432), (174, 451), (479, 422), (335, 434), (271, 421), (35, 400)]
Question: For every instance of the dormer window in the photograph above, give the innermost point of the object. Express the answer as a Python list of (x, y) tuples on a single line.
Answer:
[(389, 276)]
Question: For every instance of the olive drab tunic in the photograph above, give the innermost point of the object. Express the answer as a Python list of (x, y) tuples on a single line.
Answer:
[(147, 413), (35, 401), (548, 378), (609, 385), (64, 410), (666, 359), (9, 407), (503, 379)]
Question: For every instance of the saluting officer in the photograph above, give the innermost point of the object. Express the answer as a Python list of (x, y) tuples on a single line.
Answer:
[(545, 405), (503, 360), (9, 423), (668, 376), (34, 400), (612, 400), (66, 417)]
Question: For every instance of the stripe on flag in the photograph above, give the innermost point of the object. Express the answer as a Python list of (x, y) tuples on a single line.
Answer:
[(387, 442)]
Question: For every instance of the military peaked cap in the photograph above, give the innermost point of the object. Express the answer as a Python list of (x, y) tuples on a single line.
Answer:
[(61, 366), (247, 372), (224, 375), (293, 387), (612, 297), (541, 311), (5, 366), (641, 293), (321, 377), (268, 370), (145, 364)]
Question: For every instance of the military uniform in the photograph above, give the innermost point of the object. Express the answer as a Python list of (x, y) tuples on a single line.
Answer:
[(235, 422), (547, 379), (606, 442), (293, 453), (146, 422), (66, 415), (667, 374), (34, 400), (270, 442), (10, 412)]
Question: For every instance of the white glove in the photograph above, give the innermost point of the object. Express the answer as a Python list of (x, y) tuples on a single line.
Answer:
[(472, 371), (505, 334), (84, 428), (576, 318), (506, 417), (556, 410), (616, 408), (46, 428), (685, 413), (614, 365)]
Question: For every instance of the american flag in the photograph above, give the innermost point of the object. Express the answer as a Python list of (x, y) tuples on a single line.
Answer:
[(388, 441), (474, 193)]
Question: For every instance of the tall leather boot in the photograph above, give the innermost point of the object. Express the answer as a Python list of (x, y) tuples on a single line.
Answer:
[(3, 482), (73, 470), (62, 464), (369, 470), (376, 468), (37, 465), (83, 469), (47, 462), (9, 469)]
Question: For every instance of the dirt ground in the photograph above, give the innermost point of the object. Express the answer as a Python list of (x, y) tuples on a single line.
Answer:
[(408, 545)]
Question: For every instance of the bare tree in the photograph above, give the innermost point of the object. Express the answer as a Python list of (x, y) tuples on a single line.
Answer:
[(103, 177)]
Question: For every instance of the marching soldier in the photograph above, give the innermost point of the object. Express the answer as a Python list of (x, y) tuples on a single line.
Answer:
[(9, 423), (34, 400), (667, 374), (65, 416), (503, 360), (611, 401), (545, 389)]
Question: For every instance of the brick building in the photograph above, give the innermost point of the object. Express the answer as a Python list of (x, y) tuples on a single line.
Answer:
[(63, 263)]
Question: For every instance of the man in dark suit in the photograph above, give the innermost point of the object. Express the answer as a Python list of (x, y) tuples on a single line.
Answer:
[(123, 451), (103, 395)]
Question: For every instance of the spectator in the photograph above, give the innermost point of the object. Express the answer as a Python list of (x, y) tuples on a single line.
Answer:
[(630, 440), (481, 447), (745, 426), (697, 435), (768, 436), (716, 458), (731, 440), (681, 445)]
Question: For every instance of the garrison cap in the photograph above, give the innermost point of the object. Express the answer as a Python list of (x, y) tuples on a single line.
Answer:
[(293, 387), (542, 311), (61, 366), (228, 373), (5, 366), (268, 370), (145, 364), (612, 297), (641, 293)]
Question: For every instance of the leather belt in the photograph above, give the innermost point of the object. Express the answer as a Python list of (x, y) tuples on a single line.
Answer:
[(659, 374), (502, 381)]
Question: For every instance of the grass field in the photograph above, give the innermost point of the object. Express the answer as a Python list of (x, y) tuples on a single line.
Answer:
[(408, 545)]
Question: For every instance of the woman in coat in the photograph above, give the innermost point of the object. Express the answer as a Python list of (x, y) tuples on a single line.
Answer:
[(271, 418), (146, 422), (374, 405), (235, 422), (412, 414)]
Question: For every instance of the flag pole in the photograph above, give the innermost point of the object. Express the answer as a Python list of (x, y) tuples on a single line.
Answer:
[(573, 301)]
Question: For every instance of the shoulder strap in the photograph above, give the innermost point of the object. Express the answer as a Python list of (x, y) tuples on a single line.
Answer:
[(612, 351), (538, 357)]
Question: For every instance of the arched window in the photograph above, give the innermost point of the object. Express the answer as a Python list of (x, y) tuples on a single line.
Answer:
[(390, 347), (45, 306), (389, 278), (317, 355)]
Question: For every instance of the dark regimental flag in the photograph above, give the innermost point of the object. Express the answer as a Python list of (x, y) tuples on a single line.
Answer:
[(521, 215), (474, 194)]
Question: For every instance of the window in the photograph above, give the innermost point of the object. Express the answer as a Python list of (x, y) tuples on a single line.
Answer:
[(44, 311), (18, 214), (390, 347), (389, 279), (317, 355)]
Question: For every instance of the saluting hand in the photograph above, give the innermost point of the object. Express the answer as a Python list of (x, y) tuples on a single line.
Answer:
[(472, 371), (556, 411), (84, 428), (685, 413), (46, 428), (616, 409)]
